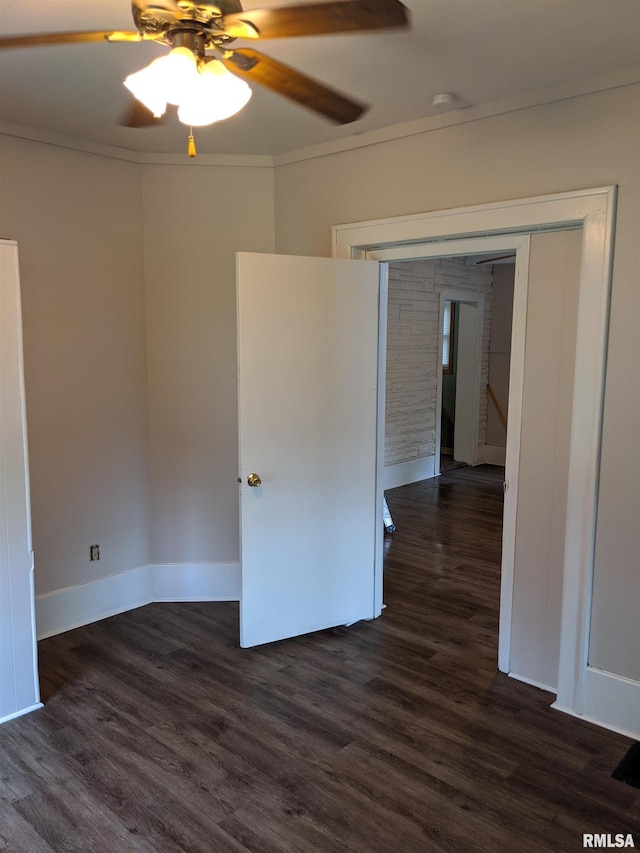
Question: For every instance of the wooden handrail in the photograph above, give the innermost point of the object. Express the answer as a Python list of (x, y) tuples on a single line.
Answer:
[(503, 417)]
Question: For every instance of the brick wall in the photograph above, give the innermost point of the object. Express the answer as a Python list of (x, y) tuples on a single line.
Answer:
[(412, 352)]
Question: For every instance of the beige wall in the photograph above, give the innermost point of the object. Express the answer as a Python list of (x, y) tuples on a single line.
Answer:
[(587, 141), (76, 218), (96, 415), (195, 220)]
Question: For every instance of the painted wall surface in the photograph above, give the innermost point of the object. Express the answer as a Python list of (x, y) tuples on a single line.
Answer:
[(413, 363), (500, 351), (586, 141), (547, 397), (195, 220), (76, 218)]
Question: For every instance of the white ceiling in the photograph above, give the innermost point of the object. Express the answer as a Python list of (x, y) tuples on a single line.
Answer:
[(480, 50)]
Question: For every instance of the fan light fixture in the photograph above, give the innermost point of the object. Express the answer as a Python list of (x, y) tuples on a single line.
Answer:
[(204, 92)]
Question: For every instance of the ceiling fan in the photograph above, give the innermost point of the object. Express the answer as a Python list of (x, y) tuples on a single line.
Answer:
[(193, 27)]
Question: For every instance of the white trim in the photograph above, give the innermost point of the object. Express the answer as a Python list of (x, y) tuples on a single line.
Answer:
[(491, 454), (455, 226), (512, 450), (584, 448), (381, 473), (503, 106), (532, 683), (73, 607), (403, 473), (463, 247), (593, 211), (196, 582), (21, 713), (115, 152), (610, 700)]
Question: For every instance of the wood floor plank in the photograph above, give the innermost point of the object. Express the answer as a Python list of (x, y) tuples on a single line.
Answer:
[(17, 835), (394, 736)]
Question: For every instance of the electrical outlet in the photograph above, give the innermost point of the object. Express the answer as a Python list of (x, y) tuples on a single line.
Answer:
[(94, 552)]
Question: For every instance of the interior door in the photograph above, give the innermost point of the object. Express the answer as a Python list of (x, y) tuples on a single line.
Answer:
[(464, 441), (309, 426), (19, 689)]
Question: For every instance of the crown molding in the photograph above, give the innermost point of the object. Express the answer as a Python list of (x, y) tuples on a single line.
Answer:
[(617, 79), (59, 140)]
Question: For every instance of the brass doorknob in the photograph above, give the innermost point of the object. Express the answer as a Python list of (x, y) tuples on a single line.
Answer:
[(254, 480)]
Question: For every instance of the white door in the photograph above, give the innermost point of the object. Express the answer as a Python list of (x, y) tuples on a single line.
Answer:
[(19, 691), (308, 376), (464, 441)]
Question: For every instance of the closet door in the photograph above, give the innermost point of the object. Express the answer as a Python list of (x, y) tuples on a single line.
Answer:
[(18, 664)]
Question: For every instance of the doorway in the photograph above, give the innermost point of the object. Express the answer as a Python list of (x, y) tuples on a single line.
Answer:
[(464, 401), (502, 225), (536, 563), (459, 400), (440, 315)]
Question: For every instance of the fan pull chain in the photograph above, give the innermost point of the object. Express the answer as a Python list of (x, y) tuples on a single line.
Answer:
[(192, 145)]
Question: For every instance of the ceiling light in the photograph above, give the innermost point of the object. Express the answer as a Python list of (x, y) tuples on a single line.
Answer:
[(215, 95), (145, 85), (178, 73), (204, 93)]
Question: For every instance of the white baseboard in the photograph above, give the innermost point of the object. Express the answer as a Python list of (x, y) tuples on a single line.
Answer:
[(403, 473), (196, 582), (533, 683), (489, 454), (612, 701), (65, 609), (75, 606), (21, 712)]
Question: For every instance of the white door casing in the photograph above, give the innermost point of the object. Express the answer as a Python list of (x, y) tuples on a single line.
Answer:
[(593, 210), (459, 248), (308, 404)]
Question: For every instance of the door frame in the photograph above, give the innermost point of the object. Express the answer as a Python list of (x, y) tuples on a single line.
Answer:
[(592, 210), (519, 244), (477, 300)]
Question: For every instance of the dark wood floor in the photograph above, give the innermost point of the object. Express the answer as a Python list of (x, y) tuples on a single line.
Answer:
[(399, 735)]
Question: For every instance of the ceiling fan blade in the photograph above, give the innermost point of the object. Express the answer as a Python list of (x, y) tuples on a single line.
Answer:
[(137, 115), (44, 39), (314, 19), (254, 66)]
